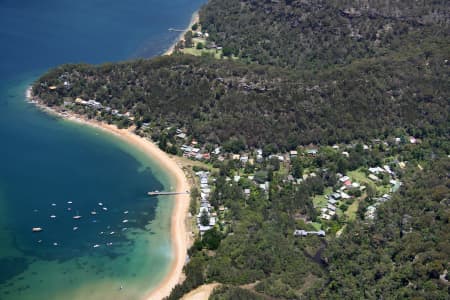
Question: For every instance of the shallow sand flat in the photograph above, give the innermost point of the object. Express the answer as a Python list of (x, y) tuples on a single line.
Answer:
[(201, 293)]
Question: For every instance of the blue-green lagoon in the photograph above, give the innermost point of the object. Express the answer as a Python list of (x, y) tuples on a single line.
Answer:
[(52, 170)]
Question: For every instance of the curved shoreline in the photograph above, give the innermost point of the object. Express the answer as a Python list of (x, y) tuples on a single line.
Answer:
[(178, 230), (194, 19)]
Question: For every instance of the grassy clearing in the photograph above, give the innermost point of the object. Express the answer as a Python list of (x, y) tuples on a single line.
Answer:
[(199, 52), (360, 176), (320, 201), (217, 54), (317, 226), (352, 209)]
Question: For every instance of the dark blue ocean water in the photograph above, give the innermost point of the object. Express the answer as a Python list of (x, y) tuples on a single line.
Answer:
[(45, 163)]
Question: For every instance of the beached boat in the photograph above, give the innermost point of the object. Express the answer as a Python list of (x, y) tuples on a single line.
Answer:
[(36, 229)]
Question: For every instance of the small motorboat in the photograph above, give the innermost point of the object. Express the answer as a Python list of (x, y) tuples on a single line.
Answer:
[(75, 228), (52, 216), (36, 229), (96, 246), (93, 212), (101, 204), (77, 217), (125, 221)]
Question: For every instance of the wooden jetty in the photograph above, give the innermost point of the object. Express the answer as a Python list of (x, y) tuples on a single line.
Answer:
[(158, 193), (177, 30)]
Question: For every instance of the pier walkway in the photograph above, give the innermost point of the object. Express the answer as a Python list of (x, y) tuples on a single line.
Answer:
[(157, 193), (176, 30)]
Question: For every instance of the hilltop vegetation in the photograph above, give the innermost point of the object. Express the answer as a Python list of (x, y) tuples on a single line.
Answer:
[(221, 100), (320, 33)]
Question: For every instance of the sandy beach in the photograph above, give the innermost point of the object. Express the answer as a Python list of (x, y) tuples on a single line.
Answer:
[(195, 19), (179, 233)]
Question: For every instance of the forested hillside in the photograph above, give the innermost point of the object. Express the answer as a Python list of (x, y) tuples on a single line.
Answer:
[(221, 100), (320, 33)]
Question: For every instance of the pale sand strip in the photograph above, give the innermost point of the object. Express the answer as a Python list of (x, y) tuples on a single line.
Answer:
[(201, 293), (179, 232), (195, 19)]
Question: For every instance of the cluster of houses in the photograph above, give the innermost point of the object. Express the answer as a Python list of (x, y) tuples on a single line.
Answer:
[(91, 103), (98, 106), (347, 185), (194, 152), (199, 34), (395, 185), (209, 44), (206, 218), (340, 194)]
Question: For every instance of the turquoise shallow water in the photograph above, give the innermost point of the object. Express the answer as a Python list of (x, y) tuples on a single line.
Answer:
[(46, 161)]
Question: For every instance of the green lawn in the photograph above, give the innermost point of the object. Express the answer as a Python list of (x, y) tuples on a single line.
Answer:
[(360, 177), (317, 226), (197, 52), (353, 208), (320, 201)]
